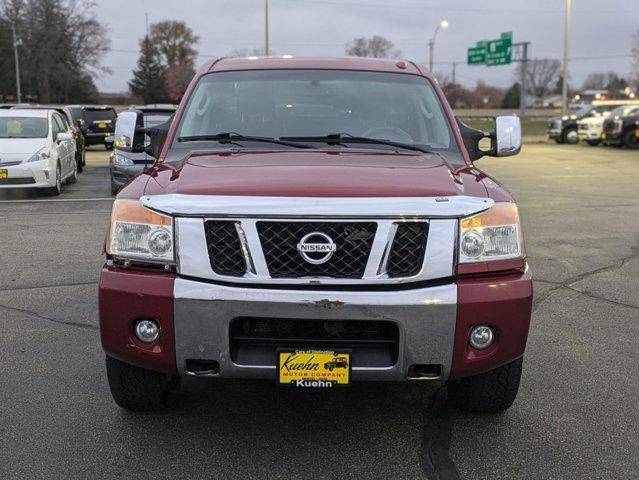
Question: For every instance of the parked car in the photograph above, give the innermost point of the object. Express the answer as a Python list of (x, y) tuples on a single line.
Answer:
[(565, 129), (621, 128), (301, 209), (98, 124), (37, 150), (125, 165), (74, 120)]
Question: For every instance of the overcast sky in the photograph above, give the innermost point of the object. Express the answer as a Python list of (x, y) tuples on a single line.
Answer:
[(600, 40)]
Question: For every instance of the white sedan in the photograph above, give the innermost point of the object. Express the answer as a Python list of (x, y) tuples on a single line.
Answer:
[(37, 150)]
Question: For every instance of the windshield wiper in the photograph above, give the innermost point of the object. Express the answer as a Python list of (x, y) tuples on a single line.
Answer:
[(232, 137), (337, 138)]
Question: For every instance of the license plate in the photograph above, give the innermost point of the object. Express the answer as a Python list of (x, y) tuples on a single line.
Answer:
[(603, 136), (314, 368), (637, 133), (102, 125), (4, 173)]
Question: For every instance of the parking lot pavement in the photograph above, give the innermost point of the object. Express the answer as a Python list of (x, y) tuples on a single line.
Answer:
[(576, 415)]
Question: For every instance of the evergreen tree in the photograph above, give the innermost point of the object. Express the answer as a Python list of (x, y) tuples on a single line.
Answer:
[(512, 97), (148, 77)]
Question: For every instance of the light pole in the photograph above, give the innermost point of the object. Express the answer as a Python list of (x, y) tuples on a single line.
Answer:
[(564, 85), (16, 43), (431, 44), (266, 49)]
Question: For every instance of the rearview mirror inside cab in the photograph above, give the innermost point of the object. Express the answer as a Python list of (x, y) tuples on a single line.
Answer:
[(505, 139)]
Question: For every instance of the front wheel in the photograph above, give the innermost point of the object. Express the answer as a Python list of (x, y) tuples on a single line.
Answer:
[(489, 392), (593, 143), (74, 176), (141, 390), (108, 146), (631, 139), (571, 137), (57, 189)]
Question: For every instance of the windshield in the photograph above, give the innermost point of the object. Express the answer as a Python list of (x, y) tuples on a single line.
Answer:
[(24, 127), (624, 111), (314, 103)]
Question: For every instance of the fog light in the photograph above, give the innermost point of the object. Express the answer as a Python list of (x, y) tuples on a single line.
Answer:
[(481, 337), (147, 331)]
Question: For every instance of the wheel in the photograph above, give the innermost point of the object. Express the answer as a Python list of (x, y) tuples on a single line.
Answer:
[(84, 157), (114, 189), (593, 143), (631, 140), (74, 176), (108, 146), (57, 189), (141, 390), (489, 392), (571, 137), (559, 140), (78, 162)]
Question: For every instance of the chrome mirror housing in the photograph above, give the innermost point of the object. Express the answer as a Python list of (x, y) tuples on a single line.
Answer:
[(125, 131), (507, 136)]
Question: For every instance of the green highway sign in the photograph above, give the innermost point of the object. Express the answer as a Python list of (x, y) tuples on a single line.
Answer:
[(492, 52)]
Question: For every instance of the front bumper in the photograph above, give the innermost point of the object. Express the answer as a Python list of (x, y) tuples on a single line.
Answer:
[(433, 321), (28, 175), (120, 175), (96, 138)]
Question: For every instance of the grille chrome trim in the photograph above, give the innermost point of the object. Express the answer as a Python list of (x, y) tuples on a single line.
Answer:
[(305, 208)]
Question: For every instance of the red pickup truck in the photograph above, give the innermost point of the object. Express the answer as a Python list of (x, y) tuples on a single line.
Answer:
[(316, 222)]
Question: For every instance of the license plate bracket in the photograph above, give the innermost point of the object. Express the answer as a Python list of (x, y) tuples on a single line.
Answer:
[(313, 368)]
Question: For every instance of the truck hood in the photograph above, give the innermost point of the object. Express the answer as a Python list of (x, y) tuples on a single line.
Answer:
[(315, 174)]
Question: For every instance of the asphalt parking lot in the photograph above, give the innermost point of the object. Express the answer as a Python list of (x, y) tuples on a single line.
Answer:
[(576, 415)]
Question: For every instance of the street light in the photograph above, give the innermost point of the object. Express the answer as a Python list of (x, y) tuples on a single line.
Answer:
[(431, 44), (564, 86)]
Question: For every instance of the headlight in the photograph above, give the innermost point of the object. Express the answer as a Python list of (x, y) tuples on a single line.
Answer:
[(42, 154), (139, 233), (492, 235), (118, 159)]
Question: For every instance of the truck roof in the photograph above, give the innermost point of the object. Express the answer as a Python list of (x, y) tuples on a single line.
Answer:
[(324, 63)]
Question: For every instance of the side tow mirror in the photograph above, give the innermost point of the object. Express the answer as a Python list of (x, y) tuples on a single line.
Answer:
[(127, 136), (505, 140)]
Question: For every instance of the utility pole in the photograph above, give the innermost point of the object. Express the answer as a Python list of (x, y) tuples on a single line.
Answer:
[(16, 43), (564, 85), (146, 16), (266, 49), (522, 93), (454, 68)]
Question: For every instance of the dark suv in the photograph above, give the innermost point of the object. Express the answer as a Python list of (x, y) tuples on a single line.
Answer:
[(98, 124), (622, 127)]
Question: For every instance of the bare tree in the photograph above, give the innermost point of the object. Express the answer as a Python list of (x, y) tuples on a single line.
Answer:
[(594, 81), (249, 52), (175, 41), (376, 47), (541, 76)]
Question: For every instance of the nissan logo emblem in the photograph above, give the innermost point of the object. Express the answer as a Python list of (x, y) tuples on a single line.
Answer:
[(316, 252)]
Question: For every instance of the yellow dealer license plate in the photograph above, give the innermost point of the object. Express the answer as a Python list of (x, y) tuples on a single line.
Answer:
[(4, 173), (102, 125), (314, 368)]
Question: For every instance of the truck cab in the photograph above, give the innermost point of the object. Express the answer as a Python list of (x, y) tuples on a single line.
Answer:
[(305, 207)]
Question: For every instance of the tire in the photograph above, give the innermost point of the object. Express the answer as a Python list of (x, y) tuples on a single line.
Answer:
[(57, 190), (489, 392), (630, 139), (74, 176), (560, 141), (114, 189), (593, 143), (140, 390), (108, 146), (84, 157), (571, 137)]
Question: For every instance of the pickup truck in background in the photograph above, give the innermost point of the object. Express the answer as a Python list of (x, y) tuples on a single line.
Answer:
[(622, 128), (305, 214)]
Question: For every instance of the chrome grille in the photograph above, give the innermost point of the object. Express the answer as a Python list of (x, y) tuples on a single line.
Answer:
[(224, 247), (279, 243), (407, 253)]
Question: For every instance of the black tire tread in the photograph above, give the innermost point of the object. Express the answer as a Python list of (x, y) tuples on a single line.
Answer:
[(140, 390), (490, 392)]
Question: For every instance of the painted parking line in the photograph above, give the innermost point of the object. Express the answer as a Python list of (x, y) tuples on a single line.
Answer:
[(61, 200)]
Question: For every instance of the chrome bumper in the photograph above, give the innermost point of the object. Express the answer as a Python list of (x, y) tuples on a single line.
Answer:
[(426, 319)]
